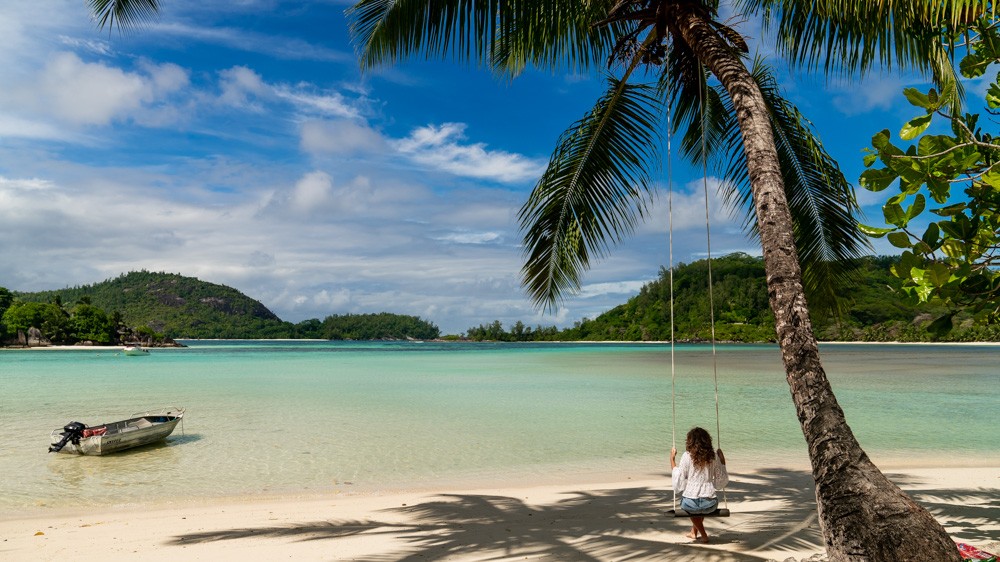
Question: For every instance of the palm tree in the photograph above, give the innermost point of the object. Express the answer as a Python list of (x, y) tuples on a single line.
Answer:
[(601, 168)]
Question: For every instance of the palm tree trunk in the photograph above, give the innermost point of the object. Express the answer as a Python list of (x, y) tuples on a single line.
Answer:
[(864, 516)]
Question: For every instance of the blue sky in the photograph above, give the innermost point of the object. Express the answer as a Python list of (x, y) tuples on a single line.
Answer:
[(237, 142)]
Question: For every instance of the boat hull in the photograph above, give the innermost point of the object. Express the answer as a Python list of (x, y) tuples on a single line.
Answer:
[(123, 435)]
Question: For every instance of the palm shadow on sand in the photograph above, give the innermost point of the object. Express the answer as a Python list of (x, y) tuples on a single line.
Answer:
[(619, 524)]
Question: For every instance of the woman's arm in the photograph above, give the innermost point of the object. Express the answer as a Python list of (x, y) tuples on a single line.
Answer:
[(679, 474), (720, 476)]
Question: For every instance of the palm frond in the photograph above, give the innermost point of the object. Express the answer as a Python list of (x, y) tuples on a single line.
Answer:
[(684, 83), (850, 37), (126, 14), (552, 34), (504, 35), (824, 211), (593, 192), (821, 200)]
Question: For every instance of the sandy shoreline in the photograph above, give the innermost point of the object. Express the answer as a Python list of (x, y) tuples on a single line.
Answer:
[(774, 517)]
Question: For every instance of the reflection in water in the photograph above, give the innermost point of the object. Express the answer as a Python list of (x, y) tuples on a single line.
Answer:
[(119, 477)]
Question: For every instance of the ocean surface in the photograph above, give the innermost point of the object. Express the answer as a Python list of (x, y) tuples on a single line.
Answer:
[(290, 419)]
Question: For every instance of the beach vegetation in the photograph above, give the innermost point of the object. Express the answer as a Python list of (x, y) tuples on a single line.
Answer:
[(93, 324), (596, 187), (944, 209), (381, 326), (162, 306)]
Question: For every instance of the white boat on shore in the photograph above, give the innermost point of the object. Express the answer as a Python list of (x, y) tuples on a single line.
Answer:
[(135, 349), (140, 429)]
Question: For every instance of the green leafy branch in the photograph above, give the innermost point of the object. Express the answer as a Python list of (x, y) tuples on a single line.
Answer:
[(953, 260)]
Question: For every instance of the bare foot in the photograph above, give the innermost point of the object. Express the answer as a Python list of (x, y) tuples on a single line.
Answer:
[(704, 539), (691, 535)]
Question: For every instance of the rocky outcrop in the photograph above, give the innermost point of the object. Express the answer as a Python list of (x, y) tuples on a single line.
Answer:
[(35, 338)]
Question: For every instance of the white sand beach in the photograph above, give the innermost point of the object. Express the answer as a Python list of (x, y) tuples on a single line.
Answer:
[(773, 518)]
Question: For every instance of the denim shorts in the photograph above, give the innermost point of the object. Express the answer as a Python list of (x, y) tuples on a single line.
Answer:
[(700, 505)]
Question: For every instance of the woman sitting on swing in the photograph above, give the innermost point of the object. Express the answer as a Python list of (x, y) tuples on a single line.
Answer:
[(699, 474)]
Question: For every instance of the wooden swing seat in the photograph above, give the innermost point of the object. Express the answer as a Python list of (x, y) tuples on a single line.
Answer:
[(717, 513)]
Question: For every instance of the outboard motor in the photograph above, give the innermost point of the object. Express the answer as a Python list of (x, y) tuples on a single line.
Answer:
[(72, 432)]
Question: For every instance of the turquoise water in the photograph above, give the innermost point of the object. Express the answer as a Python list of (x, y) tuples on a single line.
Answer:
[(291, 418)]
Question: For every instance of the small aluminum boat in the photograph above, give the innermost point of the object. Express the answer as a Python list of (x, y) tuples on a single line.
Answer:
[(140, 429)]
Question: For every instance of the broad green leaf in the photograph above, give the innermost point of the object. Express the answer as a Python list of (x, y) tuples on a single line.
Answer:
[(870, 159), (939, 189), (992, 177), (953, 229), (880, 139), (993, 96), (894, 214), (877, 179), (931, 235), (950, 210), (918, 98), (942, 325), (971, 67), (924, 292), (873, 231), (900, 240), (917, 207), (915, 126), (938, 274)]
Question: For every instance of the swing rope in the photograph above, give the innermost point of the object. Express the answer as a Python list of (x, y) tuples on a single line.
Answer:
[(670, 215), (711, 293)]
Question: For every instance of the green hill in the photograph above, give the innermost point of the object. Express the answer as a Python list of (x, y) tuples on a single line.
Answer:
[(178, 306), (184, 307), (871, 310)]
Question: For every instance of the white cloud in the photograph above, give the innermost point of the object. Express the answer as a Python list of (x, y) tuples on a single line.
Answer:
[(689, 210), (438, 147), (875, 93), (471, 237), (243, 87), (332, 104), (618, 288), (17, 127), (311, 191), (340, 137), (240, 85), (81, 93), (276, 46)]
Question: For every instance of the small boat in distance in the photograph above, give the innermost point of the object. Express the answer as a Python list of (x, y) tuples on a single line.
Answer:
[(135, 349), (140, 429)]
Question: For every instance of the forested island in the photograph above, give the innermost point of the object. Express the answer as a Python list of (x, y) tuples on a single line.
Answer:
[(157, 308), (871, 310)]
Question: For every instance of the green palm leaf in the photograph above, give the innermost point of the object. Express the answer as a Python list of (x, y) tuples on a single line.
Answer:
[(593, 191), (126, 14), (853, 36), (504, 35), (821, 201)]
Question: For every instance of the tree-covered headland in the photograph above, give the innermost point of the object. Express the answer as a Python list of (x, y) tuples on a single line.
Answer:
[(155, 307), (874, 309)]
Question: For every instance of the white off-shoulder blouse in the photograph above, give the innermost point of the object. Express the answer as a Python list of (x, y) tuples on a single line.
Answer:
[(699, 482)]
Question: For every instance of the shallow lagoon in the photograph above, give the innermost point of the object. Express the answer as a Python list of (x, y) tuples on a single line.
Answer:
[(293, 418)]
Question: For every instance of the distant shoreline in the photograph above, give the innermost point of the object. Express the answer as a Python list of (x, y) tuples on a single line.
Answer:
[(608, 342)]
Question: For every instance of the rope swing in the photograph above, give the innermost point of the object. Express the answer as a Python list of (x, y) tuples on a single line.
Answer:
[(721, 512)]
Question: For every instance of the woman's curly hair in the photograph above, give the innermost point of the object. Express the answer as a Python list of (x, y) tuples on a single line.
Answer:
[(699, 446)]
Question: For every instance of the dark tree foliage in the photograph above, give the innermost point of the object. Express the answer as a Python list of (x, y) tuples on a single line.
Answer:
[(871, 310), (175, 305), (381, 326)]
